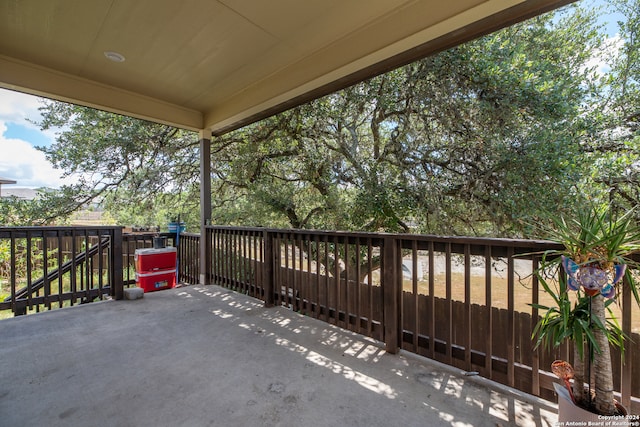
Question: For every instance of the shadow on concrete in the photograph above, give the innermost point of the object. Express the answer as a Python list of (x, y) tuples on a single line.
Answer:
[(206, 356)]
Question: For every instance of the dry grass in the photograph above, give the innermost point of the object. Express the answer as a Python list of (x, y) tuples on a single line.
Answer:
[(499, 298)]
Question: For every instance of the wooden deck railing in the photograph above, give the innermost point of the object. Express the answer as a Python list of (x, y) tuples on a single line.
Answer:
[(133, 241), (48, 267), (42, 268), (188, 258), (462, 301)]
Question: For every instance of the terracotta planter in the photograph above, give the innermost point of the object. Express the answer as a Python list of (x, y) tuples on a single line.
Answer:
[(571, 415)]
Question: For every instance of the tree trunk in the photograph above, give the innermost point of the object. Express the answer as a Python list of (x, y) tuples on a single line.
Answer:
[(602, 362), (579, 393)]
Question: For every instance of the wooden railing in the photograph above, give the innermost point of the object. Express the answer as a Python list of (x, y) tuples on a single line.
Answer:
[(188, 258), (42, 268), (459, 300), (133, 241), (462, 301), (47, 267)]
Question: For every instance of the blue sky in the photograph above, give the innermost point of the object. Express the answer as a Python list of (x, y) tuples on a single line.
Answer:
[(33, 135), (20, 161)]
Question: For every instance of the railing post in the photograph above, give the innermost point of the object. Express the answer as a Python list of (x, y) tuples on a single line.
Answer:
[(205, 253), (627, 360), (391, 301), (205, 205), (18, 310), (117, 287), (268, 269)]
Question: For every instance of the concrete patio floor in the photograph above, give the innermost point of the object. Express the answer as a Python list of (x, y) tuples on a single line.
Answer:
[(206, 356)]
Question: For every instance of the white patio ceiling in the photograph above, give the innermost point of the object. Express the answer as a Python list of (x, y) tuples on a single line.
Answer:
[(220, 64)]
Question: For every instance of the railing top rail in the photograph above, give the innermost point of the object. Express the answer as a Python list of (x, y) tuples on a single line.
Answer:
[(49, 231), (149, 234), (63, 227), (185, 234), (533, 245)]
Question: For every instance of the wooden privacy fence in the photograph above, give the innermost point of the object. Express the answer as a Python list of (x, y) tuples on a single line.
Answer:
[(459, 300)]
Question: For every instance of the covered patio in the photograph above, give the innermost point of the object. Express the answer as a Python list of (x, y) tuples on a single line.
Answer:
[(215, 66), (202, 354), (207, 356)]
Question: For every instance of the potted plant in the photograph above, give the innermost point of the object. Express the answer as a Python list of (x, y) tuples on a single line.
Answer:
[(597, 248)]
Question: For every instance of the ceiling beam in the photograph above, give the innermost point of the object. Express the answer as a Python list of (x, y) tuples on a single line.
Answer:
[(35, 80)]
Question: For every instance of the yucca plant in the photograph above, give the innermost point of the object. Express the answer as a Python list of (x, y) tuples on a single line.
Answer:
[(597, 249)]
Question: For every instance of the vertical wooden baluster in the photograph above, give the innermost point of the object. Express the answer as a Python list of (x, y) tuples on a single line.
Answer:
[(448, 285), (45, 270), (370, 285), (347, 270), (358, 285), (415, 293), (488, 362), (13, 256), (510, 319), (59, 267), (535, 360), (467, 307), (100, 264), (432, 307), (29, 268)]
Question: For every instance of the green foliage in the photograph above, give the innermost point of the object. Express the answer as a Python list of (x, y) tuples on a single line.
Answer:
[(571, 320), (155, 211), (611, 143), (136, 169), (27, 260), (594, 236), (440, 145), (40, 211)]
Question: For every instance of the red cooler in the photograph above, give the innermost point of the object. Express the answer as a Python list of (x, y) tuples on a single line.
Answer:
[(156, 280), (155, 268)]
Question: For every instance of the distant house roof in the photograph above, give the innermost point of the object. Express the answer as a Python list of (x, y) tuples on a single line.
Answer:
[(20, 193), (6, 181)]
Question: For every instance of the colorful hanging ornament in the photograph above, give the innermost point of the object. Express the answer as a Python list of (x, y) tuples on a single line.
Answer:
[(593, 279)]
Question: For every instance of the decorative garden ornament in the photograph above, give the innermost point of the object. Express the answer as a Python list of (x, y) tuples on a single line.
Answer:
[(564, 371), (593, 279)]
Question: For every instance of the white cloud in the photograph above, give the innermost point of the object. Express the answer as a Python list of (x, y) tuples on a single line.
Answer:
[(21, 162), (602, 59), (17, 107), (22, 109)]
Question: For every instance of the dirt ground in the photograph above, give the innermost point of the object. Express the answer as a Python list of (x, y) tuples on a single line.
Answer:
[(499, 285)]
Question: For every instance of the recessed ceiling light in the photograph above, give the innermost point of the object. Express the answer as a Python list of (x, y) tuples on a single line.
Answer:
[(114, 56)]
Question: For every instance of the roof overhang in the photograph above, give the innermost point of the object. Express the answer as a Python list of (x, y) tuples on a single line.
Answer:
[(221, 64)]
